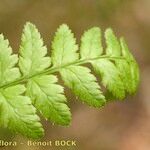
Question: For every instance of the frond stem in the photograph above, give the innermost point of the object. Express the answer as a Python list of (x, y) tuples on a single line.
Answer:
[(57, 69)]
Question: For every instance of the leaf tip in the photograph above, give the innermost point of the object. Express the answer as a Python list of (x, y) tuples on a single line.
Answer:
[(108, 32)]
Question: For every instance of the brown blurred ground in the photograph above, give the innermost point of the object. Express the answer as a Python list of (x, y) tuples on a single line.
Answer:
[(120, 125)]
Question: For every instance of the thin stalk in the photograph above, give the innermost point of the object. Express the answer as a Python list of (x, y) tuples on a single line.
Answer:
[(57, 69)]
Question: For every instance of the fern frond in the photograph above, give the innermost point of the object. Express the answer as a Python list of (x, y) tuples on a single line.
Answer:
[(32, 86)]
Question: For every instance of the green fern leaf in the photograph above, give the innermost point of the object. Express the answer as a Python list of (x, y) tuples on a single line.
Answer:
[(127, 67), (8, 72), (64, 47), (32, 52), (37, 88), (77, 78), (16, 111), (18, 114), (47, 98), (130, 74), (83, 84), (110, 77), (91, 47)]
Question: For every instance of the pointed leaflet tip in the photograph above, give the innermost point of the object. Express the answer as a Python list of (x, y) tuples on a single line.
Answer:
[(29, 24), (1, 36), (108, 31), (64, 26)]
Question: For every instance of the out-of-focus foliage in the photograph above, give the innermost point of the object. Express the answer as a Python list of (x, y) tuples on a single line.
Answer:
[(109, 7)]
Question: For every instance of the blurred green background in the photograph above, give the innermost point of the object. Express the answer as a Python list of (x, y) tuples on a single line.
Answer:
[(119, 125)]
